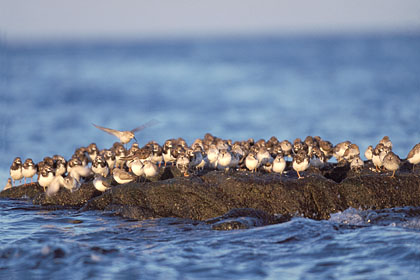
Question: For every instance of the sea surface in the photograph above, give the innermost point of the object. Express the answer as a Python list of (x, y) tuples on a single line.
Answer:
[(353, 87)]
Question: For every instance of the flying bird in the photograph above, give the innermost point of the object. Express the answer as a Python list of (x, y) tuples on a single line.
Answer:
[(126, 136)]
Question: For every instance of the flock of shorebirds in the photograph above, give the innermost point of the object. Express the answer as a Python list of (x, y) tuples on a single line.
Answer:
[(127, 165)]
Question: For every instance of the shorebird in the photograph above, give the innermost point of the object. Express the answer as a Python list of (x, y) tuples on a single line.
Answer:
[(197, 161), (263, 156), (376, 156), (356, 164), (224, 159), (251, 162), (317, 158), (340, 149), (92, 151), (137, 167), (73, 162), (125, 136), (212, 155), (120, 154), (122, 177), (156, 153), (150, 169), (45, 176), (326, 147), (392, 163), (109, 157), (100, 183), (279, 164), (60, 167), (235, 160), (414, 155), (182, 163), (369, 153), (28, 169), (386, 142), (286, 147), (8, 185), (300, 162), (99, 166), (298, 146), (68, 182), (167, 149), (71, 182), (16, 170), (351, 152)]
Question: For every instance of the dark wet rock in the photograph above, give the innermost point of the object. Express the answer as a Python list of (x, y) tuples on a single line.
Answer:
[(65, 198), (337, 174), (212, 194), (28, 191)]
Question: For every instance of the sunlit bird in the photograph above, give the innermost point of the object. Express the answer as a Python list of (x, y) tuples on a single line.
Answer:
[(126, 136)]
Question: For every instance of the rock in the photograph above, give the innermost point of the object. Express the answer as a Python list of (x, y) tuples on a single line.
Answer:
[(65, 199), (28, 191), (211, 194)]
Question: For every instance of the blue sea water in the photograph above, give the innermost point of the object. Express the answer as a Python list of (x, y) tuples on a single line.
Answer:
[(356, 88)]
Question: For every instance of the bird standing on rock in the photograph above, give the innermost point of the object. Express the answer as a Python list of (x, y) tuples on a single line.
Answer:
[(92, 151), (100, 183), (28, 169), (137, 167), (376, 156), (413, 156), (300, 162), (8, 185), (224, 159), (122, 177), (369, 153), (392, 163), (356, 164), (279, 164), (99, 166), (212, 155), (16, 170), (197, 161), (182, 163), (150, 169), (386, 142), (45, 177), (340, 149), (251, 162)]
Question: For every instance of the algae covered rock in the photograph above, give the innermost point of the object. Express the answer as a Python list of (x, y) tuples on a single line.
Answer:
[(212, 194)]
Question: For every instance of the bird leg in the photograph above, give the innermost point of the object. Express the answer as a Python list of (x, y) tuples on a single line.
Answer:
[(299, 177), (393, 174)]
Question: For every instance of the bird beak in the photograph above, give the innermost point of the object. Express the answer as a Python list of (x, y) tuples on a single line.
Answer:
[(135, 139)]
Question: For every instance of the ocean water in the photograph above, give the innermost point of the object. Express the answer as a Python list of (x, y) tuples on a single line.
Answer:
[(356, 88)]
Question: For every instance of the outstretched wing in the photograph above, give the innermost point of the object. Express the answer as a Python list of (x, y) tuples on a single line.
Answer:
[(80, 171), (54, 186), (146, 125), (107, 130)]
